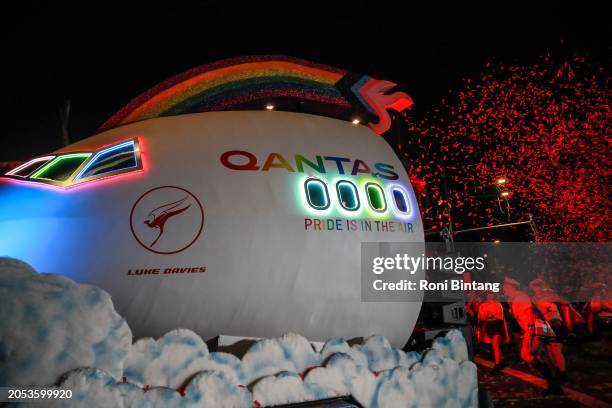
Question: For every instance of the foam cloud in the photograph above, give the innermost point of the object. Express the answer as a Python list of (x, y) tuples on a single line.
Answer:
[(377, 375), (51, 325), (396, 388), (168, 361), (282, 388), (335, 345), (93, 387), (342, 375), (381, 356), (215, 389), (452, 346), (291, 352), (467, 384)]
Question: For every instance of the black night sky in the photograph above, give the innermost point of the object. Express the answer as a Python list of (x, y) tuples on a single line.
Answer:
[(99, 56)]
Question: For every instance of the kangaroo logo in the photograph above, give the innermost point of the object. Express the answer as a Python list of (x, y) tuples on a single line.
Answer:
[(167, 219), (158, 217)]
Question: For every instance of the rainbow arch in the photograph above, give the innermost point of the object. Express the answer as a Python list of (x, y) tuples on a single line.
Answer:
[(230, 84)]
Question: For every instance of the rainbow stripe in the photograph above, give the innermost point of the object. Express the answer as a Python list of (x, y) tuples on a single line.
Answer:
[(226, 84)]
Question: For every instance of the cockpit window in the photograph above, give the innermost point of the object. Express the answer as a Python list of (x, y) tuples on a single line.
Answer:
[(68, 169), (61, 168), (30, 167), (112, 160)]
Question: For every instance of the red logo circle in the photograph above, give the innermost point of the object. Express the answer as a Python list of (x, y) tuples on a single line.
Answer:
[(167, 220)]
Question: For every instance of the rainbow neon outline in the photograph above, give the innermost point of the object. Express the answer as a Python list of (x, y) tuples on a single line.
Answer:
[(400, 214), (325, 189), (364, 211), (54, 162), (340, 210), (71, 182), (381, 191), (29, 163), (134, 142), (303, 200), (364, 180), (355, 191)]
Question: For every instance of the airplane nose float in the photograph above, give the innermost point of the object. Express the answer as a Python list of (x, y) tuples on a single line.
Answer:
[(195, 206)]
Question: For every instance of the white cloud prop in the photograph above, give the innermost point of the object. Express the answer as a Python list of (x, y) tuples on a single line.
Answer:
[(396, 389), (452, 346), (282, 388), (335, 345), (215, 389), (51, 325), (291, 352), (342, 375), (95, 388), (380, 355), (404, 379), (467, 384), (168, 361)]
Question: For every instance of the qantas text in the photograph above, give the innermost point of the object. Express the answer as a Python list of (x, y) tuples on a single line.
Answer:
[(243, 160)]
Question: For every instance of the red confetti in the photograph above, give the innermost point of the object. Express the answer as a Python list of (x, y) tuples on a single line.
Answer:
[(542, 127)]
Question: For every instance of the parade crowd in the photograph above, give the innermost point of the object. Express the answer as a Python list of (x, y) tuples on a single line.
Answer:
[(536, 321)]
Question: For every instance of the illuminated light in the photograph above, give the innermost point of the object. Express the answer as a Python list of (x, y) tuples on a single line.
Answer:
[(400, 199), (35, 184), (366, 210), (375, 93), (376, 197), (270, 107), (73, 187), (316, 194), (497, 241), (335, 208), (112, 178), (348, 196), (505, 193), (356, 121), (501, 180), (30, 167), (110, 161), (61, 168), (86, 183), (302, 198)]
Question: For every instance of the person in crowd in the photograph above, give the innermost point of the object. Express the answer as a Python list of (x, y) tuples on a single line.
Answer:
[(493, 328), (473, 300), (521, 309), (567, 313), (544, 299), (599, 309)]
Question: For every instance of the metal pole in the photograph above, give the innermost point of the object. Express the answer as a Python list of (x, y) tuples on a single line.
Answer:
[(494, 226), (65, 117)]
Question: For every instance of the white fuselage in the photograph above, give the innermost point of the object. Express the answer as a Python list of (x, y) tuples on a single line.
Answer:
[(245, 254)]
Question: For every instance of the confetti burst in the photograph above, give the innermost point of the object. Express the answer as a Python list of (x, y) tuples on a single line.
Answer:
[(543, 127)]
